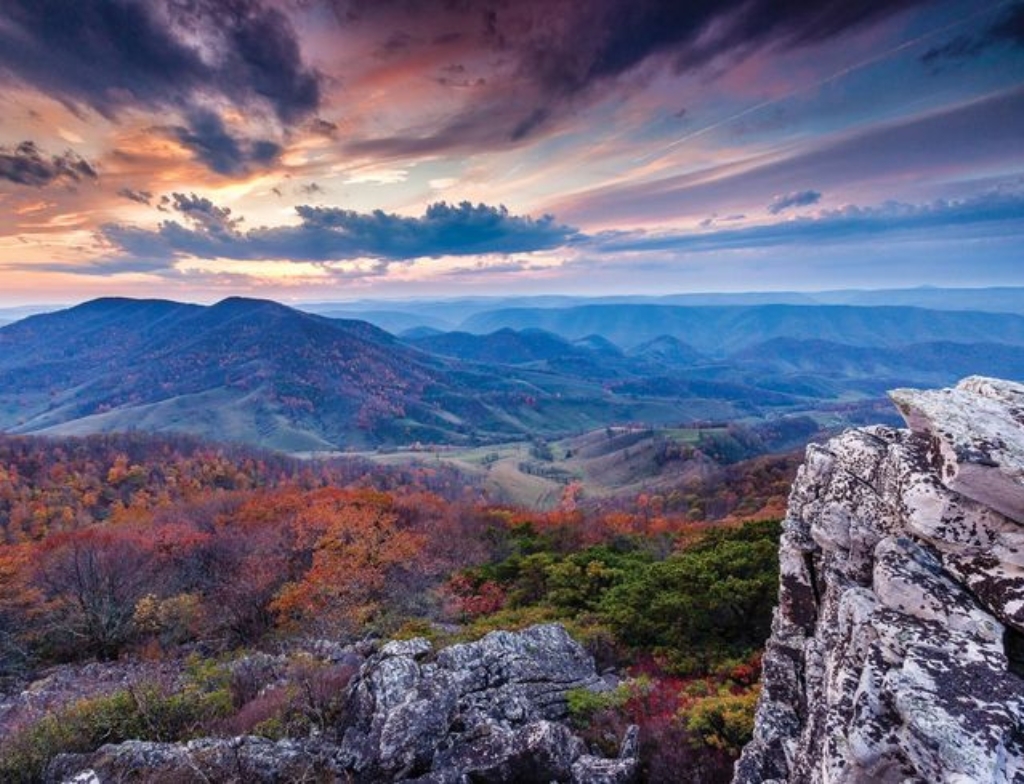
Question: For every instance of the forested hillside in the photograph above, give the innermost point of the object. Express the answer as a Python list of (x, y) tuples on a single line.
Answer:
[(144, 551), (257, 372)]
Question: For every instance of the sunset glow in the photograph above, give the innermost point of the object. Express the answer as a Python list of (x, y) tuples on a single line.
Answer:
[(302, 149)]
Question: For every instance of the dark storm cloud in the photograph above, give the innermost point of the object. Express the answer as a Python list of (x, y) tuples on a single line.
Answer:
[(142, 197), (606, 39), (112, 55), (562, 52), (796, 199), (26, 164), (988, 212), (331, 234), (115, 54), (211, 142)]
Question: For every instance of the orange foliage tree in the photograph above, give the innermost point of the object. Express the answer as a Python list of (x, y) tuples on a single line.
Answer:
[(20, 604), (356, 545)]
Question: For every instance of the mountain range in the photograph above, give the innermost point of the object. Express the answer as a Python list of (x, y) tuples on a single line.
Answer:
[(721, 330), (454, 313), (259, 372)]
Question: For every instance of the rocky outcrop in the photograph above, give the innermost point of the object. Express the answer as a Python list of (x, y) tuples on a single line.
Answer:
[(896, 649), (222, 760), (486, 711)]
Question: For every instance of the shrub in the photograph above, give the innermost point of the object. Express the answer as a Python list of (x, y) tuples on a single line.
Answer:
[(584, 703), (703, 605), (724, 721), (147, 712), (308, 696)]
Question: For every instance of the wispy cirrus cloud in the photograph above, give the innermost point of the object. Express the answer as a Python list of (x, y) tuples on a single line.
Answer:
[(557, 55), (881, 156), (851, 223)]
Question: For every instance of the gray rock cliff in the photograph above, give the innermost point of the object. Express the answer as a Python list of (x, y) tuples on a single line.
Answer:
[(897, 648), (485, 711)]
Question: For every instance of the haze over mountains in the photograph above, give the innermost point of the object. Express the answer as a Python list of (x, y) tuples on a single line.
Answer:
[(263, 373), (725, 329), (449, 314)]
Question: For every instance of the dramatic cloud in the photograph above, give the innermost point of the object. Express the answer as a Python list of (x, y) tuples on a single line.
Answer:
[(851, 223), (559, 53), (796, 199), (564, 45), (26, 164), (550, 106), (331, 234), (115, 54), (212, 144)]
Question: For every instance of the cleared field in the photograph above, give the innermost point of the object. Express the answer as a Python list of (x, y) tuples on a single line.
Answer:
[(605, 462)]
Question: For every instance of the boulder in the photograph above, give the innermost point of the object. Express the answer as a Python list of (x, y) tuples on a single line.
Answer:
[(486, 711), (489, 708)]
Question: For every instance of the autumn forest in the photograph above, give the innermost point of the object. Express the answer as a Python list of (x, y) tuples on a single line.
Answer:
[(180, 555)]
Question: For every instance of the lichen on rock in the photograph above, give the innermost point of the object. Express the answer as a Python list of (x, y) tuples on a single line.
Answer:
[(894, 648)]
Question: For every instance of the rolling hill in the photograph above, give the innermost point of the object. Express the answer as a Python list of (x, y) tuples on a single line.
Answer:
[(835, 367), (505, 346), (246, 370), (720, 331), (258, 372)]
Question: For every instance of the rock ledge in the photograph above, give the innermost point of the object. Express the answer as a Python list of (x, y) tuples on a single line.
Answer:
[(897, 646)]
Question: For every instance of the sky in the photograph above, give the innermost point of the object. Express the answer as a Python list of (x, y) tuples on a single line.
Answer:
[(314, 150)]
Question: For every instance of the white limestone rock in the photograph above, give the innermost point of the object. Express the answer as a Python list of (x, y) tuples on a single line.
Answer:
[(978, 430), (896, 649)]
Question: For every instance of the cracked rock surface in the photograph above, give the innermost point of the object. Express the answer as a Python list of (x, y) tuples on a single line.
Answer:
[(897, 646), (485, 711)]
